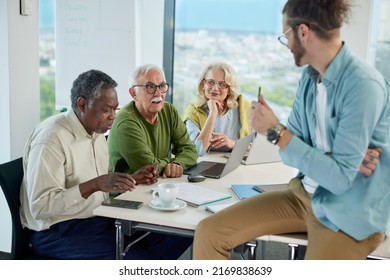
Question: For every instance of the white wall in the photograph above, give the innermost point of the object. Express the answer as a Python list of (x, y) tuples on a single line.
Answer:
[(150, 35), (357, 32), (5, 154), (19, 70)]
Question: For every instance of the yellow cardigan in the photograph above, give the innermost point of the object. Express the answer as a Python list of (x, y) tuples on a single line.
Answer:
[(196, 114)]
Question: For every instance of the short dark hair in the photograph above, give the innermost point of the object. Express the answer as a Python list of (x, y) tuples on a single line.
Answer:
[(89, 85), (323, 16)]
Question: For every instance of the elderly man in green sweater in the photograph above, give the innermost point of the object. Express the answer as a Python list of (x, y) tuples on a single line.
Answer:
[(148, 130)]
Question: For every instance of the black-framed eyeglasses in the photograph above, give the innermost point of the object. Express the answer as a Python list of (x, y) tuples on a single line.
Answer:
[(151, 88), (283, 39), (211, 83)]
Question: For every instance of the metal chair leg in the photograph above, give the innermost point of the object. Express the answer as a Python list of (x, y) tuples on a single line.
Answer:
[(293, 251), (119, 240), (251, 245)]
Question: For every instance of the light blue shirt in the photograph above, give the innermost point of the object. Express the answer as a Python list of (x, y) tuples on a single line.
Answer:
[(357, 117), (228, 124)]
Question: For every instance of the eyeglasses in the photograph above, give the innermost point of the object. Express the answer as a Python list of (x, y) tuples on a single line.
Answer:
[(283, 39), (151, 88), (211, 83)]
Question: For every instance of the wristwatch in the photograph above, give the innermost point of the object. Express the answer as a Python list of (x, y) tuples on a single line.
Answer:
[(274, 133)]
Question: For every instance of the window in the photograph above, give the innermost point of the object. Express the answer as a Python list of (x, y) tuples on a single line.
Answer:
[(47, 57), (242, 33), (380, 43)]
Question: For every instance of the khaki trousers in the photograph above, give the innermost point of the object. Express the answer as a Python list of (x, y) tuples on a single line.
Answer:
[(276, 212)]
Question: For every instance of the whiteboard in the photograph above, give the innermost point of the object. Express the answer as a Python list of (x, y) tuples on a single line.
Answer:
[(94, 34)]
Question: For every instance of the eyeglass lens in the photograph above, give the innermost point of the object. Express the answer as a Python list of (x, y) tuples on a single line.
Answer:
[(151, 88), (212, 83), (283, 40)]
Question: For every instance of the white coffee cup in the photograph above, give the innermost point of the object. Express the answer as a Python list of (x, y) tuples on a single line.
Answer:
[(167, 194)]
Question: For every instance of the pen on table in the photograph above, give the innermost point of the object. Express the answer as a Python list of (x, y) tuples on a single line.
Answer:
[(258, 188), (192, 204)]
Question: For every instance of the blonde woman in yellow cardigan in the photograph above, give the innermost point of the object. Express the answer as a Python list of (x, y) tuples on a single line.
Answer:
[(221, 115)]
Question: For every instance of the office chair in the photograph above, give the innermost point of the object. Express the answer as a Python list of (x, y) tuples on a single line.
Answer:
[(11, 175)]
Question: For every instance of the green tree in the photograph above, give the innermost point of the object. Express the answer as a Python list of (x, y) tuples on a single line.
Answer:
[(47, 98)]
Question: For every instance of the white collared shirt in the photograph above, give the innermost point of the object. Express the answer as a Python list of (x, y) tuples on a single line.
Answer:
[(321, 135), (59, 155)]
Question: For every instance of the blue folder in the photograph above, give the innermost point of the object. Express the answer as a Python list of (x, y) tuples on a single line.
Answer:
[(245, 191)]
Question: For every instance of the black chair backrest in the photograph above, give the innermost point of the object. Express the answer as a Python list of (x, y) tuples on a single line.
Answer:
[(11, 176)]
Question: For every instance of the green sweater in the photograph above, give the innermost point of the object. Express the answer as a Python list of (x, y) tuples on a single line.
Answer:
[(134, 143)]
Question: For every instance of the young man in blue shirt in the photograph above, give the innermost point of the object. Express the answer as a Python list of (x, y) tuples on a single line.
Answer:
[(342, 108)]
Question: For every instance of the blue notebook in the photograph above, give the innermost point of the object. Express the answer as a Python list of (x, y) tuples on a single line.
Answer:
[(245, 191)]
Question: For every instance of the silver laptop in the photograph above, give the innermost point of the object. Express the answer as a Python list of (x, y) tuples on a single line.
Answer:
[(261, 151), (217, 170)]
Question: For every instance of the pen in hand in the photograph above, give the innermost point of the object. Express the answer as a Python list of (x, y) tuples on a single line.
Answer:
[(209, 148), (259, 95)]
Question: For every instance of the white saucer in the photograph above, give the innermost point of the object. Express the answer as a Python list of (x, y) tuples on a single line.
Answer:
[(179, 204)]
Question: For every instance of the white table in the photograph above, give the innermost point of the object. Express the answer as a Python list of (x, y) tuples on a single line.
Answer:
[(184, 221)]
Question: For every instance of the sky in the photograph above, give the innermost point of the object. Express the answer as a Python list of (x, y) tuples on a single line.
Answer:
[(228, 15)]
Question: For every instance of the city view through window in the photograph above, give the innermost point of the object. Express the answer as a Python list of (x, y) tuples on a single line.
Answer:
[(258, 59), (242, 33)]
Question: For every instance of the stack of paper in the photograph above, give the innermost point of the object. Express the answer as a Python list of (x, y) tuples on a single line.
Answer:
[(196, 195), (214, 208)]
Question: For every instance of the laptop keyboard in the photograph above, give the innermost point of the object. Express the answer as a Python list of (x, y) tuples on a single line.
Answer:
[(215, 169)]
